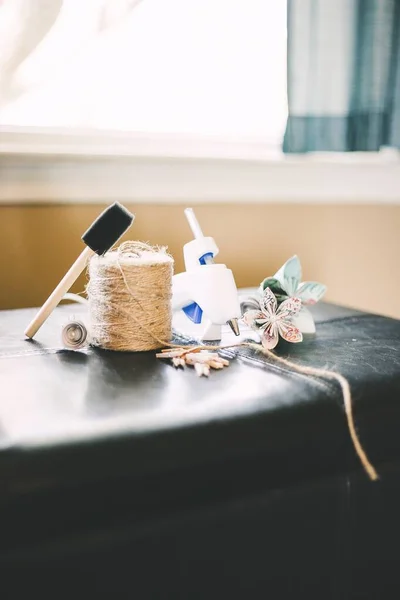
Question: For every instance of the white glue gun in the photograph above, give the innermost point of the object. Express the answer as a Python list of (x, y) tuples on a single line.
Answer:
[(206, 292)]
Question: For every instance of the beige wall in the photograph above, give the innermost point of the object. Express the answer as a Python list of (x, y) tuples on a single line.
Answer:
[(355, 250)]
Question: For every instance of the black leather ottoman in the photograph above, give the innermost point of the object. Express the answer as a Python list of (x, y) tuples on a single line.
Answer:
[(122, 477)]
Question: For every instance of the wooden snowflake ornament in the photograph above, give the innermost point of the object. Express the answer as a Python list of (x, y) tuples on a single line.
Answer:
[(202, 360)]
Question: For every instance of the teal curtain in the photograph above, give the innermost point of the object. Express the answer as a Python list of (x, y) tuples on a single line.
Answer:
[(343, 75)]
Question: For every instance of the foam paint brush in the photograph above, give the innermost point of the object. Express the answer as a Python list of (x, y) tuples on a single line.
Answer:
[(104, 232)]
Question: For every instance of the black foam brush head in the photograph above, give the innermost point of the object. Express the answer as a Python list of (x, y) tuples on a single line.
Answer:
[(108, 228)]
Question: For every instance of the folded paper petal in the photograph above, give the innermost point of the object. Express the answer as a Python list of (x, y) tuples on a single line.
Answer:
[(250, 317), (289, 308), (270, 338), (289, 275), (262, 323), (268, 302), (304, 321), (275, 286), (311, 292), (290, 333)]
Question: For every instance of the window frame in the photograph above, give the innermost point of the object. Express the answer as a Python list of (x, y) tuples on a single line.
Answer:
[(85, 167)]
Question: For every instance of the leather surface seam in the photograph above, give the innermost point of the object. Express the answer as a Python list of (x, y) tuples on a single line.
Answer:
[(320, 381)]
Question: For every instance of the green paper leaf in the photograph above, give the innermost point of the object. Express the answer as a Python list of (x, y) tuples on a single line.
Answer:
[(275, 286)]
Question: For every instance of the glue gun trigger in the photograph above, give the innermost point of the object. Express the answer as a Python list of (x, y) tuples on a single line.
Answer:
[(193, 312)]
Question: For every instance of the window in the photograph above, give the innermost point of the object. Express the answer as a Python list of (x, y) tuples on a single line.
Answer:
[(186, 97), (190, 67)]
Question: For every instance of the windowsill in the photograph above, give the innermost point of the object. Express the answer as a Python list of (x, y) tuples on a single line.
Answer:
[(91, 167)]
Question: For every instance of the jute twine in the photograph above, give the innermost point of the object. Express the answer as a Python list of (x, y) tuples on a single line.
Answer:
[(129, 298), (347, 401), (129, 294), (315, 372)]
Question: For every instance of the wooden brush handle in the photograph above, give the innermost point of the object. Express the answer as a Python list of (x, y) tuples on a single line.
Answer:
[(62, 288)]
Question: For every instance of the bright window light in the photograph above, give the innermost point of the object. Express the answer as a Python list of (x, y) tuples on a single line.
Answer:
[(192, 67)]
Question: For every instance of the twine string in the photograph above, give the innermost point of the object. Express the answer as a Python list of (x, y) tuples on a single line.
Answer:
[(103, 294), (347, 401)]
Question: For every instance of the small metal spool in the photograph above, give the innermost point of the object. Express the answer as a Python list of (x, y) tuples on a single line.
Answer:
[(74, 335)]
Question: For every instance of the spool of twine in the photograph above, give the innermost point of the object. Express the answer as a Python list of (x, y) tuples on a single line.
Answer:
[(129, 293)]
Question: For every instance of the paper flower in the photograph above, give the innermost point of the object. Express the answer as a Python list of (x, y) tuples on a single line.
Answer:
[(274, 321), (286, 283)]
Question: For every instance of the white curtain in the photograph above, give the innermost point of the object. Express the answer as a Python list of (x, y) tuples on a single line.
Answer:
[(39, 37), (186, 67)]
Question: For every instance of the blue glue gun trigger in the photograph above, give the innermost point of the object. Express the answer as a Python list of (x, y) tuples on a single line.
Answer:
[(193, 312), (203, 259)]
